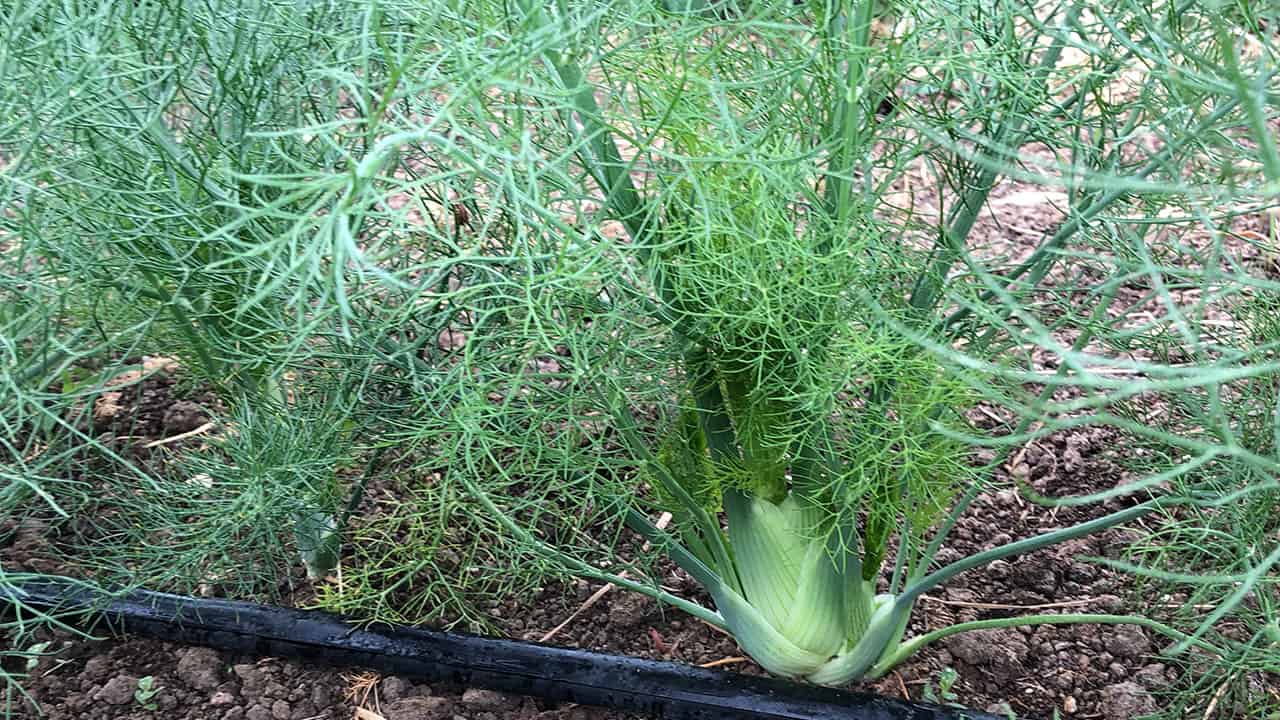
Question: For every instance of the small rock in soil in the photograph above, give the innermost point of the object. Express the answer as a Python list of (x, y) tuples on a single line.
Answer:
[(1002, 650), (574, 713), (200, 668), (628, 609), (280, 710), (1036, 574), (1064, 679), (1110, 603), (480, 699), (1082, 572), (183, 416), (118, 690), (419, 708), (1000, 709), (97, 666), (257, 712), (250, 676), (1152, 676), (1126, 700), (394, 688), (222, 697), (1127, 641), (78, 702)]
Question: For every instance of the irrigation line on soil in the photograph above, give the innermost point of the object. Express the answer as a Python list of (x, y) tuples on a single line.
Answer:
[(659, 689)]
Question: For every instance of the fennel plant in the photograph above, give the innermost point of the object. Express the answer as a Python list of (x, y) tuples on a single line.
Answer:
[(582, 262), (814, 460)]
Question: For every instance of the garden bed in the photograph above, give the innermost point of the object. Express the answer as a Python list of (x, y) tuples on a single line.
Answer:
[(437, 314), (1109, 672), (1082, 671)]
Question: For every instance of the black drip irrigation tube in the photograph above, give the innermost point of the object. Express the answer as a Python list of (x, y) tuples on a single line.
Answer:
[(659, 689)]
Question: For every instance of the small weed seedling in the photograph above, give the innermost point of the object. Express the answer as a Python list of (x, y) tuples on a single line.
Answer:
[(946, 680), (147, 690)]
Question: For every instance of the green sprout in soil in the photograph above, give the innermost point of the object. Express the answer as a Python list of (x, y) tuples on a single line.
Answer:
[(147, 689)]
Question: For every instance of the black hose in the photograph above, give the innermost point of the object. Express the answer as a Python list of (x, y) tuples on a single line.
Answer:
[(660, 689)]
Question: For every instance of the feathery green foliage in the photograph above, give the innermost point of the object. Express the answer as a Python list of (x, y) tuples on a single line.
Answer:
[(577, 263)]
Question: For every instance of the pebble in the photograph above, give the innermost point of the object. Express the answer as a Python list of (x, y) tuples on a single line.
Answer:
[(118, 690), (394, 688), (419, 708), (1127, 641), (276, 690), (1126, 700), (1152, 676), (321, 696), (200, 668), (250, 676), (97, 666), (481, 699)]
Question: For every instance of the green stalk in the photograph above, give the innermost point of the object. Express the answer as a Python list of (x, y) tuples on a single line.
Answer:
[(1041, 260), (915, 644), (1105, 301), (915, 589), (708, 525), (710, 402), (853, 665), (850, 118), (687, 561), (212, 369), (1009, 133), (858, 602), (1251, 579), (1255, 110), (603, 161)]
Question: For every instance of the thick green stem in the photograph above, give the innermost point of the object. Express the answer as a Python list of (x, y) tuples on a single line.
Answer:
[(1041, 260), (707, 524), (859, 605), (915, 644), (712, 412), (1009, 133), (211, 367), (850, 117), (853, 665), (603, 160), (914, 590)]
